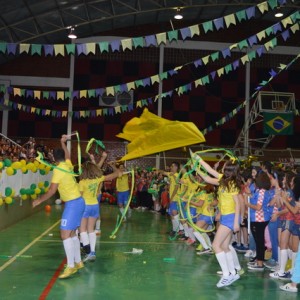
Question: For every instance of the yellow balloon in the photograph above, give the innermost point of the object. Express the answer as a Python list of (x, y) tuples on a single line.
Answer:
[(8, 200), (16, 165), (1, 201), (13, 192), (36, 163), (24, 169), (41, 184), (46, 189), (37, 191), (1, 165), (42, 167), (30, 166), (23, 162), (9, 171), (48, 169), (24, 197), (33, 197), (34, 169)]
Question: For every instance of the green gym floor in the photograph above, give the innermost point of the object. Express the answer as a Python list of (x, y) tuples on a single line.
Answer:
[(32, 257)]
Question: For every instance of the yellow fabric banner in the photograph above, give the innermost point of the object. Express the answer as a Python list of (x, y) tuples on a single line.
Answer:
[(150, 134)]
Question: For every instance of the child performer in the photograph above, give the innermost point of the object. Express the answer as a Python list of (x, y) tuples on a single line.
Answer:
[(63, 180), (229, 187), (90, 179)]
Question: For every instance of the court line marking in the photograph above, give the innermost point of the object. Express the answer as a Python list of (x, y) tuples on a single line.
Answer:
[(28, 246), (114, 242)]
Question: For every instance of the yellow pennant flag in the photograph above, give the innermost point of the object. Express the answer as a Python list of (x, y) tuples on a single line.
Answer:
[(150, 134)]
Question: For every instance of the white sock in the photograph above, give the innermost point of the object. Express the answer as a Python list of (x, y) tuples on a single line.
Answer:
[(290, 252), (181, 226), (70, 252), (207, 239), (84, 238), (201, 240), (278, 249), (235, 258), (191, 234), (122, 210), (77, 254), (230, 263), (293, 261), (175, 222), (98, 224), (92, 237), (221, 257), (283, 260), (186, 229)]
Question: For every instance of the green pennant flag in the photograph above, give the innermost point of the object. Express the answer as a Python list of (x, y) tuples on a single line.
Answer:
[(278, 123), (3, 47), (138, 42), (241, 15), (36, 49), (67, 95), (215, 56), (70, 48), (45, 95), (92, 93), (172, 35), (208, 26), (103, 46)]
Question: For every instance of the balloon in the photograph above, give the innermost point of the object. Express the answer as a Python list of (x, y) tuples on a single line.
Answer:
[(33, 186), (46, 183), (1, 201), (42, 172), (23, 191), (48, 208), (8, 200), (1, 165), (9, 171), (16, 165), (42, 167), (24, 197), (30, 166), (23, 162), (36, 163), (8, 191), (33, 197), (24, 170), (57, 201), (7, 162), (37, 191), (41, 184), (34, 169)]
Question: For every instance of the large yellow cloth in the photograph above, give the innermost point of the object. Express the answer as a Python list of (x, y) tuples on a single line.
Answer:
[(151, 134)]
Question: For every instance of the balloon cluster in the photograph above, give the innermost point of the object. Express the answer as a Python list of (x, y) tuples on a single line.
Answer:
[(11, 168), (34, 190)]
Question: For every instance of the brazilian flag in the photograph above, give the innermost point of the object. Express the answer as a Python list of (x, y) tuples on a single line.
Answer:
[(278, 123)]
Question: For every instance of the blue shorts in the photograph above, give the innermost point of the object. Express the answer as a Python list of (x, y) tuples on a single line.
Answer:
[(173, 206), (73, 212), (296, 229), (207, 219), (193, 213), (227, 220), (99, 198), (91, 211), (123, 198), (287, 225)]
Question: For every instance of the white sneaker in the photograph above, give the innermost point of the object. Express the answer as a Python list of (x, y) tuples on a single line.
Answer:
[(289, 288), (90, 257), (250, 253), (234, 278), (224, 281), (275, 275)]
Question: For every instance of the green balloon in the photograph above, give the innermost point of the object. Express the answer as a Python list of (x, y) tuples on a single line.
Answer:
[(7, 162), (32, 191), (46, 184), (33, 186), (8, 191), (42, 172), (22, 191)]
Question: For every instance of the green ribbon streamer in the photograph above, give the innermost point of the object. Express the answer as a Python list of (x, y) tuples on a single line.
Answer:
[(98, 144), (120, 220), (40, 159)]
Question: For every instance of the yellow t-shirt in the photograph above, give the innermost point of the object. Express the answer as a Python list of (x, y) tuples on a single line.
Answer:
[(226, 201), (184, 186), (89, 189), (207, 210), (67, 186), (173, 182), (122, 184), (191, 190)]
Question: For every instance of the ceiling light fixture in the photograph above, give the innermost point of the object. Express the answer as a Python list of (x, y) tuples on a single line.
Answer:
[(278, 13), (72, 34), (178, 15)]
